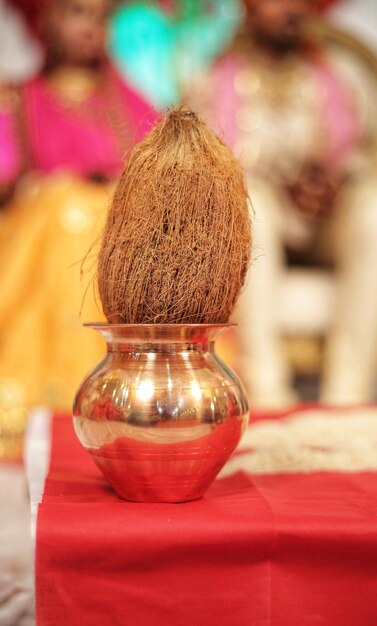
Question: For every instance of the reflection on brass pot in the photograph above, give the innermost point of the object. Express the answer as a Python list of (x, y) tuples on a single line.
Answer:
[(160, 414)]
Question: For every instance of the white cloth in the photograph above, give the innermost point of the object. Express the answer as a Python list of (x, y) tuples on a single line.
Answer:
[(16, 561), (20, 494)]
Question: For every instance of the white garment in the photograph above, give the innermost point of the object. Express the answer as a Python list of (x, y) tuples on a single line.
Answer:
[(350, 360)]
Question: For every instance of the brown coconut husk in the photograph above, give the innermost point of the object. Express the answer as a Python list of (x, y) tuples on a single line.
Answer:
[(176, 245)]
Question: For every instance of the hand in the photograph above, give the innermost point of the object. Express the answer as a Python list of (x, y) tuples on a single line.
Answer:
[(99, 178), (314, 193), (6, 192)]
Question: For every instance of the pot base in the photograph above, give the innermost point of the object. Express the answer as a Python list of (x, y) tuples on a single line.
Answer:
[(174, 465)]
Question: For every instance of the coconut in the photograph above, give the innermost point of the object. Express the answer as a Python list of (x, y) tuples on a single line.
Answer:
[(176, 245)]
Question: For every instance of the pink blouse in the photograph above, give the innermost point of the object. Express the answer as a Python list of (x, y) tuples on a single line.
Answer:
[(85, 138)]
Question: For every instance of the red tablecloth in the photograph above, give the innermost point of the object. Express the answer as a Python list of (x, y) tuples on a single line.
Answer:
[(258, 550)]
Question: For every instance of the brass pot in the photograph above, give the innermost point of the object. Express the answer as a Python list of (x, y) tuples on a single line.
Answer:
[(160, 414)]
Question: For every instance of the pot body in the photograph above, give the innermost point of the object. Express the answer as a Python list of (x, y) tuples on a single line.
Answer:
[(160, 414)]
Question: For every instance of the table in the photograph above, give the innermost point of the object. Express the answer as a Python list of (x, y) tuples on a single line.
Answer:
[(286, 536)]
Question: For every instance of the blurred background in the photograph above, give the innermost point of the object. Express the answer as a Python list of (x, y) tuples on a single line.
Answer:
[(305, 69), (291, 86), (147, 29)]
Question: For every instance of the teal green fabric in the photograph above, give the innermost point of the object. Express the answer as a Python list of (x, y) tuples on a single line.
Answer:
[(157, 50)]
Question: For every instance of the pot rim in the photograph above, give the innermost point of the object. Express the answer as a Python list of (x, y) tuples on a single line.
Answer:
[(156, 325)]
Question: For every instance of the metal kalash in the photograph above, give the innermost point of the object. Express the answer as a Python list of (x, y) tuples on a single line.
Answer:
[(161, 413)]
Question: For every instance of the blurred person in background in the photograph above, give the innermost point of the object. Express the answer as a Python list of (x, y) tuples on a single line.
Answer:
[(299, 115), (63, 138)]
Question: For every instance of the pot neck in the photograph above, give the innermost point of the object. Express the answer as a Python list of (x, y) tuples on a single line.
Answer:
[(160, 337)]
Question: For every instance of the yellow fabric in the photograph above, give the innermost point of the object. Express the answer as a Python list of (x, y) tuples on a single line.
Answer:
[(45, 234)]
